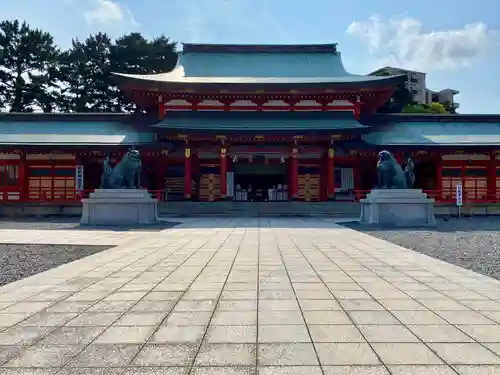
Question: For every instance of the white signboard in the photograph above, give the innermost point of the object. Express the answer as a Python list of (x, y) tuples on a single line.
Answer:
[(459, 195), (230, 184), (79, 177)]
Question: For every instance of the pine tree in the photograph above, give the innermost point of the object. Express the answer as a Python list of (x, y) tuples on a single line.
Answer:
[(28, 68)]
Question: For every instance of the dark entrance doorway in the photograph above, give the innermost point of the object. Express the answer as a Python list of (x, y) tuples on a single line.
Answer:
[(260, 182)]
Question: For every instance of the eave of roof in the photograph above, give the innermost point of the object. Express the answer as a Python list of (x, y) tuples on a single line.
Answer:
[(260, 122), (181, 83), (78, 133), (436, 134)]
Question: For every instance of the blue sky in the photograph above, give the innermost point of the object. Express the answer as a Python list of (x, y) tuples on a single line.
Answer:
[(457, 42)]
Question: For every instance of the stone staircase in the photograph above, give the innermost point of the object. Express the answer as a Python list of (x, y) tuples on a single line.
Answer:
[(260, 209)]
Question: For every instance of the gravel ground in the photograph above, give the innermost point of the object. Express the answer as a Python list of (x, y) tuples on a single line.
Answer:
[(472, 243), (71, 223), (20, 261)]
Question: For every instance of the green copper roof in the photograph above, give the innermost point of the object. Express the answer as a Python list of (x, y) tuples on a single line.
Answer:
[(70, 133), (436, 134), (270, 122), (226, 64)]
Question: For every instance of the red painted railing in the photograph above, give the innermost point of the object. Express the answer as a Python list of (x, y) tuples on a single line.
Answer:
[(61, 195)]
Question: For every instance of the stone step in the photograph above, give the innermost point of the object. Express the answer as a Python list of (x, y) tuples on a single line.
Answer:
[(259, 209)]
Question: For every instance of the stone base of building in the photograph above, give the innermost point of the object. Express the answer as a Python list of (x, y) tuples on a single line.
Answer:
[(119, 207), (397, 207)]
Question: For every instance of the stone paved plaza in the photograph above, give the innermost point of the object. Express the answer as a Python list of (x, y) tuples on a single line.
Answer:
[(248, 296)]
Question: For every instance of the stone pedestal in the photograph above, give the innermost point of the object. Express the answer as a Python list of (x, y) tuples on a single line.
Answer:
[(397, 207), (119, 207)]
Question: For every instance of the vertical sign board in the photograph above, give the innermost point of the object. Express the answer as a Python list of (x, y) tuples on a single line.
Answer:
[(230, 184), (79, 178), (459, 195)]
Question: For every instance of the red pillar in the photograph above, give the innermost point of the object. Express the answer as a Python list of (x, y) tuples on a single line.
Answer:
[(492, 179), (294, 174), (439, 178), (223, 173), (330, 173), (187, 173), (23, 178)]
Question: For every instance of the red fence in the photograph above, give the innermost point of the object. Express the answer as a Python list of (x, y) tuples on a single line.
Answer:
[(65, 195)]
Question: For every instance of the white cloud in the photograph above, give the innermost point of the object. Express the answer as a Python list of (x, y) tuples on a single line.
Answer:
[(109, 12), (404, 42)]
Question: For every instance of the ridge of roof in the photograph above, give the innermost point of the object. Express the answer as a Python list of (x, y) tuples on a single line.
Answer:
[(259, 48)]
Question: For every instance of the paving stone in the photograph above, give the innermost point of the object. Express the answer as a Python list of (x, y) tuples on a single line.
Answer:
[(405, 354), (94, 319), (275, 317), (125, 335), (111, 306), (140, 319), (464, 317), (224, 370), (45, 356), (281, 305), (355, 370), (290, 370), (226, 355), (45, 319), (9, 352), (372, 317), (465, 354), (27, 371), (287, 354), (326, 317), (23, 335), (360, 305), (342, 282), (245, 334), (387, 333), (335, 333), (283, 334), (195, 305), (171, 334), (422, 370), (165, 355), (73, 335), (103, 355), (186, 318), (319, 304), (233, 318), (91, 371), (439, 333), (346, 354), (478, 370), (153, 306), (419, 317)]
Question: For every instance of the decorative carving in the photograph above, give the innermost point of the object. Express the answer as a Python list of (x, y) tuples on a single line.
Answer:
[(125, 175), (390, 175)]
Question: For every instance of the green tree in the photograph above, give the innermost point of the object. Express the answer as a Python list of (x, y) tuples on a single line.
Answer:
[(28, 68), (436, 108), (450, 108), (401, 97), (85, 73), (133, 54)]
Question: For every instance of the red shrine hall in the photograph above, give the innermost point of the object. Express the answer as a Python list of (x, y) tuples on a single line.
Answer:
[(250, 123)]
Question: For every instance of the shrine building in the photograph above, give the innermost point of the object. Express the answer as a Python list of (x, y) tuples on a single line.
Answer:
[(250, 123)]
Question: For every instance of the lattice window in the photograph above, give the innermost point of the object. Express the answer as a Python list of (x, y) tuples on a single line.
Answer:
[(51, 182), (476, 183), (452, 176)]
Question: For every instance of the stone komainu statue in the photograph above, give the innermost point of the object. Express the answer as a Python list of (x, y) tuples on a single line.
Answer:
[(390, 175), (125, 175)]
